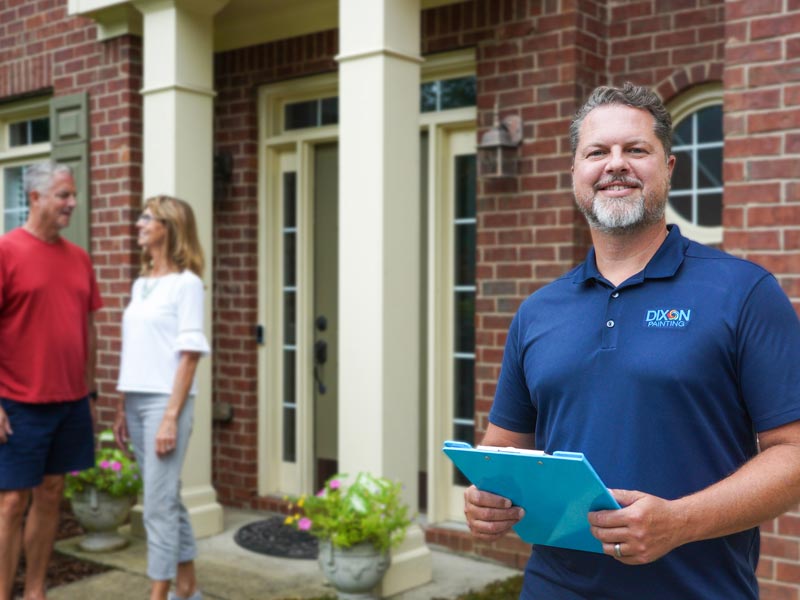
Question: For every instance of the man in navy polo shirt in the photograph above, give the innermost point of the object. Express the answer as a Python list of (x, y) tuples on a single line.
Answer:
[(672, 366)]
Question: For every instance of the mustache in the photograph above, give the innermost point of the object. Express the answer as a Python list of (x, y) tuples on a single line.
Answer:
[(616, 179)]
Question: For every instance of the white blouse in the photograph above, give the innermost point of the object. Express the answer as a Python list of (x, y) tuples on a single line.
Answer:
[(164, 317)]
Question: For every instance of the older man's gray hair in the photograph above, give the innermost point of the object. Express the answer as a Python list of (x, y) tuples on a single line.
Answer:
[(38, 177)]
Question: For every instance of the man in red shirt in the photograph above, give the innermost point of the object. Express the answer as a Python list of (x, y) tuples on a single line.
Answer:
[(48, 295)]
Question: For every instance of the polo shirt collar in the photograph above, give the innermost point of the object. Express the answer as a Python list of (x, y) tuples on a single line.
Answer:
[(665, 262)]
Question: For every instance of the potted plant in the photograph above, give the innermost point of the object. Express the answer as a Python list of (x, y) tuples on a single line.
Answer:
[(102, 496), (357, 524)]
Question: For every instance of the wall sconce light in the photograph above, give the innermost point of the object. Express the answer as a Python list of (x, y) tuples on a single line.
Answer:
[(497, 152)]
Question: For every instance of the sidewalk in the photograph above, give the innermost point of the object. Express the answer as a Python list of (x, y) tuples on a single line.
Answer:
[(228, 572)]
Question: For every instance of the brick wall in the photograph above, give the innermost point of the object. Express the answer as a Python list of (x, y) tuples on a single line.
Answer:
[(762, 195), (47, 53)]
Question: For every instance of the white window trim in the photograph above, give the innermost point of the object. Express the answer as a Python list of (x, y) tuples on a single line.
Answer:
[(702, 96), (19, 155)]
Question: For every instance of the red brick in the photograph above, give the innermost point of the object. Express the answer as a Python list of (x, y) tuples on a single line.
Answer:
[(753, 146), (773, 169), (780, 120)]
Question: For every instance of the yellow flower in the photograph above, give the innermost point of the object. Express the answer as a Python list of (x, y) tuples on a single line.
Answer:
[(301, 502)]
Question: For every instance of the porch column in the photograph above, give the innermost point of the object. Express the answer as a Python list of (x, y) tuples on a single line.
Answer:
[(379, 273), (178, 108)]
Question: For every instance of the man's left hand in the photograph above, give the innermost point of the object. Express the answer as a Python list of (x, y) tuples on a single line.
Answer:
[(643, 530)]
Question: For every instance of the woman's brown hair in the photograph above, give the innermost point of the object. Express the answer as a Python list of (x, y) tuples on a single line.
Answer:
[(183, 244)]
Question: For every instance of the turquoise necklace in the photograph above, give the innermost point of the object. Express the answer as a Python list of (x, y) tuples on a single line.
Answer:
[(148, 288)]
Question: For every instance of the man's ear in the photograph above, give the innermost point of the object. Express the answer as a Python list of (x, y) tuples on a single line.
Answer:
[(33, 197)]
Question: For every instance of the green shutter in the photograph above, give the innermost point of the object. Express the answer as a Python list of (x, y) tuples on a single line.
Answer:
[(69, 136)]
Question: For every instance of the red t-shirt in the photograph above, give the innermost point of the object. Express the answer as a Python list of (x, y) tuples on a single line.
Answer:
[(46, 294)]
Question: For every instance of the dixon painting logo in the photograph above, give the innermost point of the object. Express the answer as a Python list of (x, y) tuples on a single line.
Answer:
[(668, 318)]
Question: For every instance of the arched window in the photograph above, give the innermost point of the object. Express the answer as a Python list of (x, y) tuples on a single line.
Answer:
[(695, 200)]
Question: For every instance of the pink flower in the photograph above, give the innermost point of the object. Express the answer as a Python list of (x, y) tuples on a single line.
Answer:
[(304, 524), (335, 484), (321, 494), (74, 473), (116, 466), (105, 464)]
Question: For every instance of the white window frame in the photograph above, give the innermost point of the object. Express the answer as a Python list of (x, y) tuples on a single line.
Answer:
[(680, 109), (19, 155)]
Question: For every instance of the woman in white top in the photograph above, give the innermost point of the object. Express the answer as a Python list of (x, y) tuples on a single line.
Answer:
[(162, 341)]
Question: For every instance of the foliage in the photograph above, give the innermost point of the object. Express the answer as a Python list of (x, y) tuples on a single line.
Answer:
[(368, 510), (114, 472)]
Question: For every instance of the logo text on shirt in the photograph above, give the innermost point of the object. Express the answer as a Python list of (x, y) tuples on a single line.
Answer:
[(668, 317)]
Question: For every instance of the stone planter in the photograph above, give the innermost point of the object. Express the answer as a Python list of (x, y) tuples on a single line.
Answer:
[(354, 572), (101, 514)]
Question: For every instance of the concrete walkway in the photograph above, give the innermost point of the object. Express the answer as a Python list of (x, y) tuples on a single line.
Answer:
[(228, 572)]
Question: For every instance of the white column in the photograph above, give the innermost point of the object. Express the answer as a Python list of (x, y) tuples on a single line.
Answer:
[(379, 241), (178, 160)]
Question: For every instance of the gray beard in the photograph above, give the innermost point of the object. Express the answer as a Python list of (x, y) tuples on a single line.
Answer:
[(617, 216)]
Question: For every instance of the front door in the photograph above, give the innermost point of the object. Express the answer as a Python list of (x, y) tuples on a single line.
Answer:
[(325, 367), (303, 441)]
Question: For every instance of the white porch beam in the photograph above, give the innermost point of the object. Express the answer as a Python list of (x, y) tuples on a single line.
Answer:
[(178, 160), (379, 262)]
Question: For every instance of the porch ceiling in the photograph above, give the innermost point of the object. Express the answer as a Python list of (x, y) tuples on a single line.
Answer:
[(238, 24)]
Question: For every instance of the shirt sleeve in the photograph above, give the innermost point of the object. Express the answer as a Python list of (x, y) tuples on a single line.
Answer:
[(768, 353), (190, 317), (512, 408)]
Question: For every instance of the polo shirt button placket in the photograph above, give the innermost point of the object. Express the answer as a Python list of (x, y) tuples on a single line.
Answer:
[(610, 332)]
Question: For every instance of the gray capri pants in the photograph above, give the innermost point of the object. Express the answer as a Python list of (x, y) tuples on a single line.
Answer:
[(170, 539)]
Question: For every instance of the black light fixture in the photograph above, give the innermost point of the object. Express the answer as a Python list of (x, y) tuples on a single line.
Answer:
[(497, 152)]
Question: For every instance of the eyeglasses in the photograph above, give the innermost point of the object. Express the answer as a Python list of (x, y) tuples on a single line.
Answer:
[(146, 218)]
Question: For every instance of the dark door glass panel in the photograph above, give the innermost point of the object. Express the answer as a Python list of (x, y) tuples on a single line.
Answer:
[(682, 205), (289, 436), (465, 254), (464, 375), (289, 199), (709, 124), (709, 167), (682, 173), (289, 318), (464, 322), (709, 210), (466, 178), (289, 259)]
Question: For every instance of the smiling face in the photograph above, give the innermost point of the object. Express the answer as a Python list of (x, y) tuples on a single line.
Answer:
[(51, 210), (152, 231), (620, 173)]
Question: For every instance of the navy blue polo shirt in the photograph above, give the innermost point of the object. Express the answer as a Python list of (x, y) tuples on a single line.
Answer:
[(662, 382)]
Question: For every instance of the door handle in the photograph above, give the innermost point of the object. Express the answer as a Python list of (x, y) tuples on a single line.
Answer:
[(320, 352), (320, 358)]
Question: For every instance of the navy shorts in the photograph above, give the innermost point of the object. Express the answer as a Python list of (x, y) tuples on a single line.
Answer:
[(48, 439)]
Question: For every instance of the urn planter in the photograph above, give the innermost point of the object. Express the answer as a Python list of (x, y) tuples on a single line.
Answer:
[(353, 572), (101, 514)]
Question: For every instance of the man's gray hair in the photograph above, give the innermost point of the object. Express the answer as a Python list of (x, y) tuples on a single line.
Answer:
[(631, 95), (39, 176)]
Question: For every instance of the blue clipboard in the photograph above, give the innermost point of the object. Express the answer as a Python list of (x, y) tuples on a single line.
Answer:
[(557, 490)]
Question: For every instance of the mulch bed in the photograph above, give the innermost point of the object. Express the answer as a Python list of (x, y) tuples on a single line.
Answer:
[(271, 536), (62, 568)]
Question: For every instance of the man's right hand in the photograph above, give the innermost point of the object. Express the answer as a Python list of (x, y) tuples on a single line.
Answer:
[(489, 516), (5, 427)]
